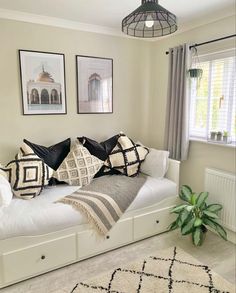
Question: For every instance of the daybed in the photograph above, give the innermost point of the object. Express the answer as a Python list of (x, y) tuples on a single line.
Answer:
[(47, 235)]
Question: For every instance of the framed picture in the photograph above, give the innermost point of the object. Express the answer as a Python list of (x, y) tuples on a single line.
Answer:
[(94, 85), (42, 82)]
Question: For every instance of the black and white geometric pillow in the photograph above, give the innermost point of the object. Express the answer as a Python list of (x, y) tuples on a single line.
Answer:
[(126, 156), (79, 167), (27, 174)]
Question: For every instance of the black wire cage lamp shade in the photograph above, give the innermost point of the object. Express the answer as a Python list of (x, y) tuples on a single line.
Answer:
[(149, 20)]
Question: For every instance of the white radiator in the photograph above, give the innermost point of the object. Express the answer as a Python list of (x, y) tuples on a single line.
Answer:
[(221, 188)]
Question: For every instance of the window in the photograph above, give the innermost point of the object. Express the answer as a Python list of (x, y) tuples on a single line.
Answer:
[(212, 105)]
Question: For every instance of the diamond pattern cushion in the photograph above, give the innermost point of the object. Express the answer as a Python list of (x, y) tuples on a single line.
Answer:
[(126, 156), (79, 167), (27, 174)]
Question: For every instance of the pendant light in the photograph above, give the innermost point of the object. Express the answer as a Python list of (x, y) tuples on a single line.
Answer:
[(149, 20)]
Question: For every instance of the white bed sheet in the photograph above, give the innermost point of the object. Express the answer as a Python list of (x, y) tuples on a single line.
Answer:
[(41, 215)]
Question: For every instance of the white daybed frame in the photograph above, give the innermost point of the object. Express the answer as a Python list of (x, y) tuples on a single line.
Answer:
[(25, 257)]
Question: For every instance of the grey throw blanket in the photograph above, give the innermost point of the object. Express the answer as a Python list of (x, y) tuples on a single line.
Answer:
[(105, 199)]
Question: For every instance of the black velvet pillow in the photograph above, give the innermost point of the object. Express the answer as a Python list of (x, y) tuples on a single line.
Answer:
[(54, 155), (101, 151)]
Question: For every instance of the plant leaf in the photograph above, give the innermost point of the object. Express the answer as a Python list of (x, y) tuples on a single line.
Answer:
[(183, 197), (210, 214), (178, 208), (210, 223), (198, 222), (197, 236), (185, 193), (179, 222), (193, 198), (214, 208), (217, 227), (204, 206), (221, 231), (189, 208), (188, 227), (173, 226), (201, 198), (184, 215)]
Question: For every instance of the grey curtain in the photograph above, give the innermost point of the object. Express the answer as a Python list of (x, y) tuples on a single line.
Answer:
[(176, 129)]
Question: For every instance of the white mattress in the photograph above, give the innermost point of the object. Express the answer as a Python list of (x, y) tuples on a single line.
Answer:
[(41, 215)]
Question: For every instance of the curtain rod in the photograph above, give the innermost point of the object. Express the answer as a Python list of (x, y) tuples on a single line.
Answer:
[(208, 42)]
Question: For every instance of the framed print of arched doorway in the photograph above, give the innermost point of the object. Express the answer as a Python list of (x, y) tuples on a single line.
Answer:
[(42, 82)]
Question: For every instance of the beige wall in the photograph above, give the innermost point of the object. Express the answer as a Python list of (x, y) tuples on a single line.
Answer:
[(131, 64), (140, 86), (201, 155)]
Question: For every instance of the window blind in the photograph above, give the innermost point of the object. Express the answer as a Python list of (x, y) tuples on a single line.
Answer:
[(212, 104)]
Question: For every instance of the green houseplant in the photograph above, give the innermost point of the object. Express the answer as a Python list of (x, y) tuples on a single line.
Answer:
[(225, 136), (195, 73), (219, 135), (213, 135), (194, 215)]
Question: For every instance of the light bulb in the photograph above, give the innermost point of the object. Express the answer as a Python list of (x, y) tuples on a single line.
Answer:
[(149, 21)]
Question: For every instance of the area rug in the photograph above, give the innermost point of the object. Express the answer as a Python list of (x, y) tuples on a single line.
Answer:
[(167, 271)]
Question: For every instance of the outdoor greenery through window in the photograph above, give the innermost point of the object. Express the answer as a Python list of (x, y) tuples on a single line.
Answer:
[(212, 105)]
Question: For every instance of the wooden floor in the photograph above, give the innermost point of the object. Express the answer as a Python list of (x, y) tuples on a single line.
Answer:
[(216, 253)]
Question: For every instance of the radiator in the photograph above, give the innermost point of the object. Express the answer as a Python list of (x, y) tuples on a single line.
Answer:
[(221, 188)]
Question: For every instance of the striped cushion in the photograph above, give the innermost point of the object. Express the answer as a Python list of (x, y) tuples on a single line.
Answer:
[(27, 174), (126, 156), (79, 167)]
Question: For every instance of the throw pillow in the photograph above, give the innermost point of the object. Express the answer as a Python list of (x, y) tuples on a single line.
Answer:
[(54, 155), (3, 172), (79, 167), (27, 174), (156, 163), (126, 156), (101, 150), (5, 190)]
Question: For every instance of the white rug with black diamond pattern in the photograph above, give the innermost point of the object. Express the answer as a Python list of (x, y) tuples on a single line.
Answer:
[(168, 271)]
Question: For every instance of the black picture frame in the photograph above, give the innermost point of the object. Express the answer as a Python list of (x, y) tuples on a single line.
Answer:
[(54, 102), (106, 105)]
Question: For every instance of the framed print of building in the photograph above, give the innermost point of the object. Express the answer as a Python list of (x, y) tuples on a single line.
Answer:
[(94, 85), (42, 82)]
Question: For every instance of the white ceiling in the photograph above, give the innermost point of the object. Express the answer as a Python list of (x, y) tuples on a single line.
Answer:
[(109, 13)]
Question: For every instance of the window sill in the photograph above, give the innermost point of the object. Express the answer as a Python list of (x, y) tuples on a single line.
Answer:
[(225, 145)]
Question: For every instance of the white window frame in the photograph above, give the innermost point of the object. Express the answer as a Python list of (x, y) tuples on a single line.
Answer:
[(198, 135)]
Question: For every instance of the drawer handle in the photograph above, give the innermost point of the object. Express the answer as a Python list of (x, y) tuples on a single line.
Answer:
[(43, 257), (157, 221), (107, 237)]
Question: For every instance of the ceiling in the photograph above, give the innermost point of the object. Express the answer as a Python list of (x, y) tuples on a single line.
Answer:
[(109, 13)]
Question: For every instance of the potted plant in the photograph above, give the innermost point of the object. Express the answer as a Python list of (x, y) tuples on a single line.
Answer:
[(225, 136), (195, 73), (213, 135), (194, 215), (219, 135)]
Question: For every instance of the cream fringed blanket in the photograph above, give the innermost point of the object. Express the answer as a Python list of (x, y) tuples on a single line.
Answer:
[(105, 199)]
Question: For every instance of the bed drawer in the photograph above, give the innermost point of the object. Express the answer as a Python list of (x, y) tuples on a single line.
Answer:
[(89, 243), (20, 264), (151, 223)]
